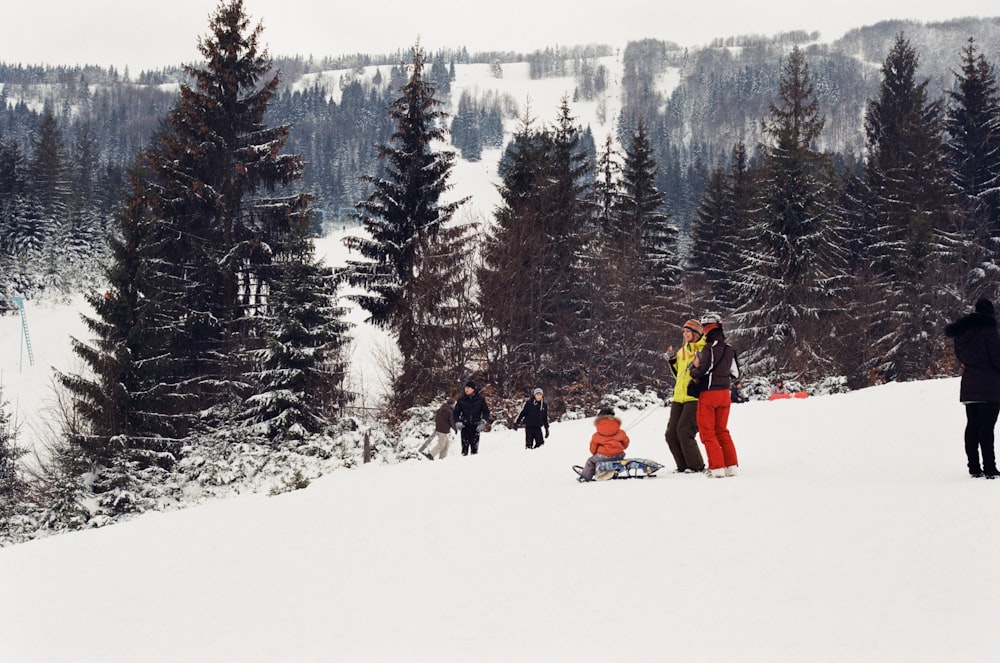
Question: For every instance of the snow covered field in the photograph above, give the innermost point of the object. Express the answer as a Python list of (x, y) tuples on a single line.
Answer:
[(852, 534)]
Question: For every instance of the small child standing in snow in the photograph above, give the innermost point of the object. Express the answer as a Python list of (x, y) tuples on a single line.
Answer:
[(609, 442)]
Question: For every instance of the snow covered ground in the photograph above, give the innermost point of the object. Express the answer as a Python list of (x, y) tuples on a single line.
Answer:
[(852, 534)]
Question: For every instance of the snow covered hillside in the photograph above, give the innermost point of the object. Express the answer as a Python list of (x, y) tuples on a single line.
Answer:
[(852, 534)]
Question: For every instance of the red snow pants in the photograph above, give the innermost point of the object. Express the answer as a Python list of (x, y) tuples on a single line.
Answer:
[(713, 421)]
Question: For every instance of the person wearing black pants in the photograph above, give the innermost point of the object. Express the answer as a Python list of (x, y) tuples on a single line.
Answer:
[(981, 419), (535, 416), (977, 347), (471, 416)]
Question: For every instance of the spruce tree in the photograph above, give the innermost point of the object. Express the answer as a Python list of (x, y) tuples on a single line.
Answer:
[(511, 271), (190, 274), (973, 147), (794, 268), (13, 485), (298, 382), (405, 218), (536, 296), (907, 217)]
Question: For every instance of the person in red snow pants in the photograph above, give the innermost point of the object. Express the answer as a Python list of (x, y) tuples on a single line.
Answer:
[(713, 370), (713, 427)]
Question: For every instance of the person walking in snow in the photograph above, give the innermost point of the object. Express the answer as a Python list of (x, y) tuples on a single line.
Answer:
[(715, 368), (608, 442), (444, 423), (535, 416), (682, 426), (977, 347), (471, 416)]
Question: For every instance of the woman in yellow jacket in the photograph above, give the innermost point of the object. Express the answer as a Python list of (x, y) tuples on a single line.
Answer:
[(683, 424)]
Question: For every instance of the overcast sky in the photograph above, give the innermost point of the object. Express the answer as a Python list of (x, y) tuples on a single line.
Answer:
[(145, 34)]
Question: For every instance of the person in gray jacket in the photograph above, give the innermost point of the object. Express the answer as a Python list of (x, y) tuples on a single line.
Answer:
[(977, 347)]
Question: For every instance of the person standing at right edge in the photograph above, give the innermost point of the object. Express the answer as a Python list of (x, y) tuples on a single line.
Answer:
[(715, 368), (977, 347)]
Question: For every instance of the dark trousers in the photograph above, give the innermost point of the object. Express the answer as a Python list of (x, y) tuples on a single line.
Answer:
[(470, 440), (533, 437), (682, 427), (981, 418)]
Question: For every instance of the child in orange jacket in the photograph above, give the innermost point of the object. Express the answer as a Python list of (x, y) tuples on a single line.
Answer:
[(608, 443)]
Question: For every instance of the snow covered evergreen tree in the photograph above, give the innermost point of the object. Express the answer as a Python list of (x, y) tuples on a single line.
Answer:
[(217, 233), (404, 217), (636, 273), (192, 268), (643, 216), (720, 236), (299, 382), (12, 481), (795, 268), (907, 217), (535, 294), (973, 146)]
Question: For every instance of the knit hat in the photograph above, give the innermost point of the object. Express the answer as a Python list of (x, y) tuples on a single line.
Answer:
[(537, 391), (471, 385), (606, 412), (695, 326), (712, 325), (984, 306)]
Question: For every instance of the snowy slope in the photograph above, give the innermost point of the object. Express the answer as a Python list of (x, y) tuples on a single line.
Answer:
[(853, 534)]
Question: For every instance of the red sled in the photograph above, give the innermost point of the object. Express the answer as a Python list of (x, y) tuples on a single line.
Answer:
[(797, 394)]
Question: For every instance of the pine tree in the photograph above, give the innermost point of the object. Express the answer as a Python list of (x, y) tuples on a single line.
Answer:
[(510, 276), (405, 216), (47, 167), (191, 272), (536, 296), (973, 127), (125, 401), (299, 382), (13, 485), (794, 268), (639, 272), (208, 169), (908, 211), (643, 216)]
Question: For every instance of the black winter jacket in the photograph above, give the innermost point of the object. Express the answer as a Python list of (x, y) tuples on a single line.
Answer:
[(717, 366), (977, 346), (470, 409), (534, 414)]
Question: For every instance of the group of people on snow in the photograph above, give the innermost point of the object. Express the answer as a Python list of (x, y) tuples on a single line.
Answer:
[(705, 370), (707, 382)]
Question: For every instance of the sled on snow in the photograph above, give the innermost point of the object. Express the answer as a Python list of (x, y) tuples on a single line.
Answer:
[(628, 468), (779, 397)]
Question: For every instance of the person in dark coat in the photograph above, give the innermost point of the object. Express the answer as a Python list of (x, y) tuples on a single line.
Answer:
[(977, 347), (535, 416), (471, 416)]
